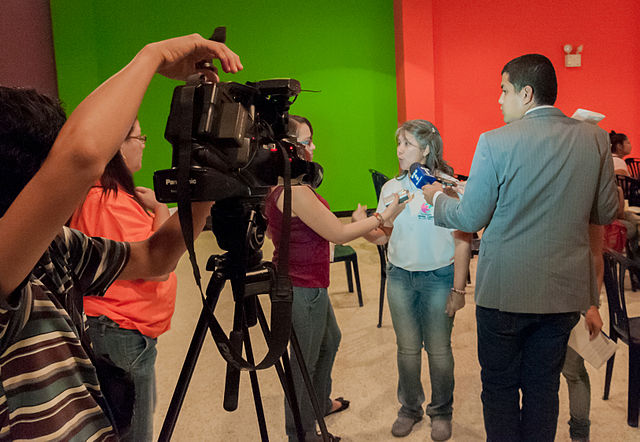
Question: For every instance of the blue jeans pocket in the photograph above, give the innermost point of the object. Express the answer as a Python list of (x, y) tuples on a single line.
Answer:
[(443, 272)]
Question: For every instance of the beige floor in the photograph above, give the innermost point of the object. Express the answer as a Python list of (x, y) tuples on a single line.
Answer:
[(364, 372)]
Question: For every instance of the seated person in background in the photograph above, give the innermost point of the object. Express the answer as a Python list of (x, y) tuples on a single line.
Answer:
[(620, 148), (48, 385), (124, 323), (574, 370), (313, 225)]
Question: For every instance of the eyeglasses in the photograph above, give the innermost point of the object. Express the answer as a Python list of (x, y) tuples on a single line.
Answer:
[(141, 138)]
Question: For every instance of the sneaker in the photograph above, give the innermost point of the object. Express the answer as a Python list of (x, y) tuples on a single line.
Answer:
[(440, 429), (403, 425)]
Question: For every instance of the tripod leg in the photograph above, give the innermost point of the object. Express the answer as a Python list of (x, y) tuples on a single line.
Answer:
[(307, 382), (189, 364), (255, 387), (232, 382), (284, 375)]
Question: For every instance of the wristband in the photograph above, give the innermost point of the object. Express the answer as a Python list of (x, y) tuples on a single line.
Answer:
[(459, 292), (379, 218)]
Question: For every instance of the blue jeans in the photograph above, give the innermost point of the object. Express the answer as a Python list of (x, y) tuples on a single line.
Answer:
[(319, 337), (135, 353), (417, 303), (579, 394), (521, 352)]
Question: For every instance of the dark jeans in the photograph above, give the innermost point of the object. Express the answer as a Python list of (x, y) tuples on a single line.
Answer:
[(521, 352)]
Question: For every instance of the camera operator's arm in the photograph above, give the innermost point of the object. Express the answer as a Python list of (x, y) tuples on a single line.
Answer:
[(159, 254), (314, 214), (100, 123), (86, 143)]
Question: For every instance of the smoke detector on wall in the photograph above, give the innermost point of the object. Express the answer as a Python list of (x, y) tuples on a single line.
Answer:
[(572, 60)]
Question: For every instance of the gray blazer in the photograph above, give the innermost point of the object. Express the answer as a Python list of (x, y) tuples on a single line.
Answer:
[(536, 184)]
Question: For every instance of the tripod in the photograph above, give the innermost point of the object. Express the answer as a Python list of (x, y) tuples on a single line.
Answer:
[(249, 277)]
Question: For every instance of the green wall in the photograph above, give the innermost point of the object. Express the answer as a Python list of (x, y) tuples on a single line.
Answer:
[(344, 49)]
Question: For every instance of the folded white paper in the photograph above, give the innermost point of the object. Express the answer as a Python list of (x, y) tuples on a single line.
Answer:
[(587, 115), (596, 352)]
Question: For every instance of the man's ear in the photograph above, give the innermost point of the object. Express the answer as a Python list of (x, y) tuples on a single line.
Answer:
[(526, 95)]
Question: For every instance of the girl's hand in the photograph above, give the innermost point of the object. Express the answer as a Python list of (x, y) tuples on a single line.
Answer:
[(359, 214)]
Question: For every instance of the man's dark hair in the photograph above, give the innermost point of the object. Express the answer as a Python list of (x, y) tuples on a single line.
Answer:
[(534, 70), (29, 124)]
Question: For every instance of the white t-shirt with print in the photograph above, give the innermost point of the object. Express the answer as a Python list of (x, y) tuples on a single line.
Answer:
[(416, 243)]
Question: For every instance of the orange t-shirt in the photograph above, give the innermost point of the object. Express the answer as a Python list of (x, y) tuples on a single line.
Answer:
[(142, 305)]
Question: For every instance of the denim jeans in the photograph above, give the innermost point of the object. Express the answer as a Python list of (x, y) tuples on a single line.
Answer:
[(521, 352), (135, 353), (579, 394), (417, 303), (319, 337)]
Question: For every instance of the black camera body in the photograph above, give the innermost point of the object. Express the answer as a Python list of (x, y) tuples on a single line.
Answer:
[(235, 139)]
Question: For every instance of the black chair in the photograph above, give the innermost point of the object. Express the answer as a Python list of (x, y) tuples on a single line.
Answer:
[(347, 255), (630, 189), (634, 271), (633, 164), (623, 327), (378, 181)]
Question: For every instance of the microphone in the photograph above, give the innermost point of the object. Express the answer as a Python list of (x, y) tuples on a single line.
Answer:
[(420, 175)]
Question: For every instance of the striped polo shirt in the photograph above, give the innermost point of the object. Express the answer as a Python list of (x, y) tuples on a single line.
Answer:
[(48, 387)]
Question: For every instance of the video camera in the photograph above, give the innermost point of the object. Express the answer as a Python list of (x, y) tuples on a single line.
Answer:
[(234, 136), (231, 145)]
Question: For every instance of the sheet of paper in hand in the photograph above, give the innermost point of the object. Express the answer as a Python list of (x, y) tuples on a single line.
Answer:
[(596, 352)]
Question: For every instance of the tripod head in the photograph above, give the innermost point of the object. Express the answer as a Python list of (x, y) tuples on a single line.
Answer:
[(239, 226)]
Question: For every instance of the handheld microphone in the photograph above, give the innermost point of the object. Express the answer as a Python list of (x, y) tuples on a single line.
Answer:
[(420, 175)]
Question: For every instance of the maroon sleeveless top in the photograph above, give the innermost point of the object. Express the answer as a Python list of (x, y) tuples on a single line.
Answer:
[(308, 251)]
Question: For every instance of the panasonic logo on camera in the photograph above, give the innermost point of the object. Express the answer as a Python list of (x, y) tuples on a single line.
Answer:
[(170, 182)]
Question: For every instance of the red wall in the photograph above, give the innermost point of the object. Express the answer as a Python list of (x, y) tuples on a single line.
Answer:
[(451, 54)]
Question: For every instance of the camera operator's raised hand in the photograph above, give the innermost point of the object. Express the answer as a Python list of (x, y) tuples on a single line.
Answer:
[(86, 143), (179, 56)]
